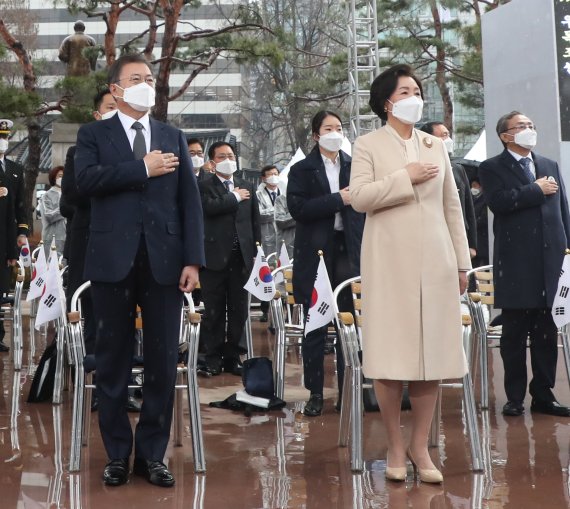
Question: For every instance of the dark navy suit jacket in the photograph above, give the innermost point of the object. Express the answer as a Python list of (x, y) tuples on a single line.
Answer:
[(125, 203), (531, 231), (313, 207)]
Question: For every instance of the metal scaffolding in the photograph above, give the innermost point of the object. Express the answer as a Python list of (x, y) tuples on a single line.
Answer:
[(362, 64)]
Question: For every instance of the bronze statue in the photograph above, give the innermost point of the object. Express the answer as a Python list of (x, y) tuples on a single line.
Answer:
[(71, 52)]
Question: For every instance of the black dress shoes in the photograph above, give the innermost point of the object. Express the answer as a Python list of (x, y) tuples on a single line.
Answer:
[(155, 472), (3, 347), (133, 405), (549, 407), (314, 406), (116, 472), (513, 409), (207, 371), (233, 367)]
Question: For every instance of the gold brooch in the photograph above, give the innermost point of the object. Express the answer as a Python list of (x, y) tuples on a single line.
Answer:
[(428, 143)]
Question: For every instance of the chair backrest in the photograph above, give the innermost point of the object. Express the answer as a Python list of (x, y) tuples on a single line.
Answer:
[(480, 301), (294, 311), (349, 326)]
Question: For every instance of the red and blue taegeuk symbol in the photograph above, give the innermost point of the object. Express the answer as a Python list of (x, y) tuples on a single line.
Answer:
[(314, 297), (265, 274), (25, 251)]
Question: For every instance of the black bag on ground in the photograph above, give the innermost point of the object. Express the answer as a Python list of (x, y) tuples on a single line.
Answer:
[(257, 377), (44, 378)]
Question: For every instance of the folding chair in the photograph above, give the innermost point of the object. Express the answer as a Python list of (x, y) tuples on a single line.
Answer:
[(352, 406), (288, 320), (11, 311), (83, 384), (480, 304)]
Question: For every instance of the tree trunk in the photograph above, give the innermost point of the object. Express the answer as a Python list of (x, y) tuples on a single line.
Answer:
[(440, 77), (171, 10)]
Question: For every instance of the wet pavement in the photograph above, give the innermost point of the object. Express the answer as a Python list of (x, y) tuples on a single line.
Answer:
[(281, 458)]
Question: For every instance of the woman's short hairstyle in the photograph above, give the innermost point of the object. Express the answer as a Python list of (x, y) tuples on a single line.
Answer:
[(53, 174), (385, 84), (319, 118)]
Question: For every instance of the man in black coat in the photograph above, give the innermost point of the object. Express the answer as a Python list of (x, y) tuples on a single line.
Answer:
[(462, 183), (531, 224), (145, 248), (13, 209), (314, 207), (231, 229)]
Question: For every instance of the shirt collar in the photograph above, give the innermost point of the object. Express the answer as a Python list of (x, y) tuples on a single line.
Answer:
[(127, 121), (222, 179), (518, 157), (326, 160)]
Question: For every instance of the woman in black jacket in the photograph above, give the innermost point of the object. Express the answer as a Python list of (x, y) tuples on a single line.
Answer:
[(319, 201)]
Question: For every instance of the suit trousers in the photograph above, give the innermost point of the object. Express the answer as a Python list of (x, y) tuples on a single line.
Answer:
[(222, 290), (313, 344), (114, 306), (538, 326)]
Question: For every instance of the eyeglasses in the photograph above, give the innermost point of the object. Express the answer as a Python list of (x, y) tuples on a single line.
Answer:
[(223, 157), (137, 78), (521, 126)]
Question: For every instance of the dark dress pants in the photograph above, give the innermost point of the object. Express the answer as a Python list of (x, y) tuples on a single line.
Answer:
[(114, 306), (313, 344), (536, 324), (221, 290)]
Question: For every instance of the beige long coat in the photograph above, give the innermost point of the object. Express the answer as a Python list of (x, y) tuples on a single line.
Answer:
[(414, 243)]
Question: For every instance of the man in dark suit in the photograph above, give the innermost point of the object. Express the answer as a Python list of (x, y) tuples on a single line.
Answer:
[(231, 228), (14, 206), (461, 181), (531, 224), (327, 222), (196, 150), (145, 247)]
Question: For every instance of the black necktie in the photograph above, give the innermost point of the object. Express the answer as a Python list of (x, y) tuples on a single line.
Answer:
[(1, 166), (273, 195), (525, 163), (228, 183), (139, 145)]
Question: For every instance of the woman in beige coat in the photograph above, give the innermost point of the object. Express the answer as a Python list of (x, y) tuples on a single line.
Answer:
[(414, 259)]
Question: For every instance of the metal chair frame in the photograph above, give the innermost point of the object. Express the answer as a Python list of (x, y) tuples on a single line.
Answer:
[(283, 308), (352, 410), (12, 312), (487, 336), (83, 384)]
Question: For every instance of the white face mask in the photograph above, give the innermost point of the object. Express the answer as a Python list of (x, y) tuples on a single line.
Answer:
[(408, 110), (331, 141), (58, 182), (139, 97), (226, 167), (475, 191), (273, 180), (108, 114), (197, 162), (526, 138), (3, 145), (448, 142)]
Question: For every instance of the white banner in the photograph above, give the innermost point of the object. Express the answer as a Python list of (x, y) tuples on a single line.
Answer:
[(52, 302), (561, 304), (38, 281)]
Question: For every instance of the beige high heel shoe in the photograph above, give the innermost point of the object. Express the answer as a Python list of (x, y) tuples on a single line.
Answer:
[(426, 475), (395, 473)]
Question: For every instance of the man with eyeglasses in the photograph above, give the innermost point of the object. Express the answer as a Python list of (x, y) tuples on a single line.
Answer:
[(531, 223), (231, 229), (145, 248), (202, 169)]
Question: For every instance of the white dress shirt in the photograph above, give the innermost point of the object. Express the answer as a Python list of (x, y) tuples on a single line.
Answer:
[(128, 122), (518, 157), (333, 175), (231, 181)]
